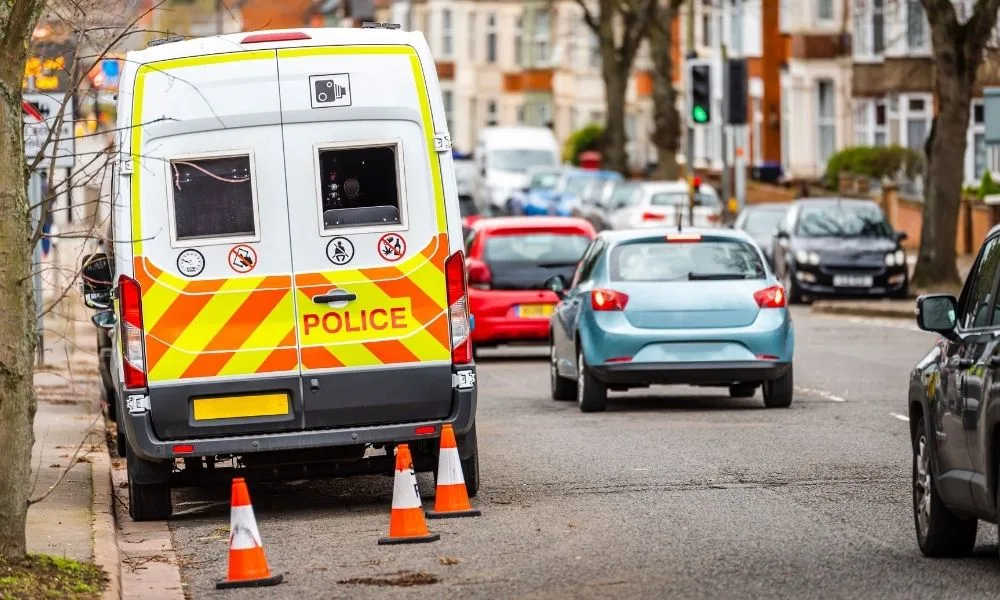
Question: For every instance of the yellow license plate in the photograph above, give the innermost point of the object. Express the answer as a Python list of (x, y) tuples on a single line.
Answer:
[(237, 407), (534, 310)]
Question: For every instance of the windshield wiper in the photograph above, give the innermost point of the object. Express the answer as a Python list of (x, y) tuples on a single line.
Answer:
[(551, 265), (715, 276)]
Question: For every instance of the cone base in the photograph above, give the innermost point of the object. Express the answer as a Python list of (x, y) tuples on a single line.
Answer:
[(242, 583), (417, 539), (472, 512)]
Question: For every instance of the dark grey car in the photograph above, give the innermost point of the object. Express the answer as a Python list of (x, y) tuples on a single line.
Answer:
[(954, 408), (760, 221)]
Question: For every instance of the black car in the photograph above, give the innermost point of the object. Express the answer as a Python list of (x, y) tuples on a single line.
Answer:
[(954, 409), (760, 221), (839, 247)]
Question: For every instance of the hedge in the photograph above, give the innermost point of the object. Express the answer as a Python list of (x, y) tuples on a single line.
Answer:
[(582, 140), (876, 162)]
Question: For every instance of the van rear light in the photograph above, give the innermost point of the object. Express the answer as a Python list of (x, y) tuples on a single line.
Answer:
[(608, 300), (458, 309), (648, 216), (133, 352), (183, 448), (280, 36), (713, 218), (772, 297), (424, 430), (480, 276)]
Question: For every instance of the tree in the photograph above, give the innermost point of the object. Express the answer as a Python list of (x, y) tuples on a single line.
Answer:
[(620, 27), (17, 336), (666, 119), (957, 54)]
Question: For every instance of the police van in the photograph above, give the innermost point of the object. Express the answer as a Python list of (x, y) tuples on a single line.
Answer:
[(288, 279)]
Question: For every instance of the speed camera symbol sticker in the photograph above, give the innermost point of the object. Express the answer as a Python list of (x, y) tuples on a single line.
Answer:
[(330, 90)]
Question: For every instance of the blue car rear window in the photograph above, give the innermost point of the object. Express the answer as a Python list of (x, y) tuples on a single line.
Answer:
[(673, 261)]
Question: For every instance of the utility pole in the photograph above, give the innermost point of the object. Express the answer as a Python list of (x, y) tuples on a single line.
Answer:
[(218, 17), (689, 151), (724, 192)]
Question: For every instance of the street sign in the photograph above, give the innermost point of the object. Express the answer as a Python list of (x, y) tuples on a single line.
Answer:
[(62, 144)]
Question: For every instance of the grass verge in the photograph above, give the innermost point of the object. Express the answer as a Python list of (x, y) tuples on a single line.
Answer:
[(42, 577)]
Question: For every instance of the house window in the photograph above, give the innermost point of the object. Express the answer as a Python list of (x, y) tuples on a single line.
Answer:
[(824, 10), (491, 113), (706, 23), (472, 35), (869, 28), (918, 122), (359, 185), (595, 50), (519, 42), (491, 38), (785, 16), (826, 123), (862, 123), (213, 197), (543, 38), (758, 121), (446, 32), (916, 28), (736, 26), (871, 126), (448, 100), (786, 138), (978, 127)]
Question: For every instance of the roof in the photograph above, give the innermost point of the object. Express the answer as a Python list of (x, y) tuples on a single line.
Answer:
[(625, 235), (496, 223), (327, 36)]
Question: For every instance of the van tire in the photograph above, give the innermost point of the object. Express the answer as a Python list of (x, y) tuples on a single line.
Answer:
[(470, 466), (148, 501)]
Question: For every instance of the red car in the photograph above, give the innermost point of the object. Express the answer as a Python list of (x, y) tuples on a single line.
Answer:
[(508, 261)]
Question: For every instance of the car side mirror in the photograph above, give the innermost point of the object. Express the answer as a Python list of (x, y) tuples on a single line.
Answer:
[(557, 284), (899, 236), (97, 280), (937, 313), (105, 319)]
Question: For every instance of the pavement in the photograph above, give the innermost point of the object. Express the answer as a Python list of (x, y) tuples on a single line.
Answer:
[(673, 492)]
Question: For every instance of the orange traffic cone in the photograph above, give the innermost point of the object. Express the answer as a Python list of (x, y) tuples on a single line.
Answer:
[(451, 499), (406, 523), (247, 563)]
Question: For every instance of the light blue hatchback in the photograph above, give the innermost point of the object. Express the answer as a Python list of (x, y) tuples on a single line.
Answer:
[(647, 307)]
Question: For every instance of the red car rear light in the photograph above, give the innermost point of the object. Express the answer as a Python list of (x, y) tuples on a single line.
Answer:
[(480, 276), (283, 36), (772, 297), (608, 300), (648, 216), (133, 351), (458, 309)]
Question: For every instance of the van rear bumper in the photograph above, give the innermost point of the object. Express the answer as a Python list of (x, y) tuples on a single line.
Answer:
[(143, 441)]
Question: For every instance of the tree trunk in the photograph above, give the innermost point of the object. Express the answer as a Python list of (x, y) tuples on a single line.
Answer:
[(613, 141), (666, 119), (17, 333), (936, 259)]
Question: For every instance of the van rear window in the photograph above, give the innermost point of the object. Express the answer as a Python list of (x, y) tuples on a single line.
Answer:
[(213, 197), (359, 186)]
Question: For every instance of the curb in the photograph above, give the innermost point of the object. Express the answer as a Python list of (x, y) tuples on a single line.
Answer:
[(874, 310), (105, 532)]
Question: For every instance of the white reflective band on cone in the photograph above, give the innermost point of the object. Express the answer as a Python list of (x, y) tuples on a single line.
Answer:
[(450, 467), (243, 534), (404, 490)]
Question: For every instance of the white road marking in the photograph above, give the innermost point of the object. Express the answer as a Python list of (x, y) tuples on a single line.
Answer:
[(900, 417), (822, 394)]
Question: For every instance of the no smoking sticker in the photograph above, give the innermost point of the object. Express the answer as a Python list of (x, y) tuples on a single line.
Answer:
[(242, 258), (391, 247)]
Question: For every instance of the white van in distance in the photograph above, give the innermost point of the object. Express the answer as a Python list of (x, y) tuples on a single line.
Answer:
[(503, 157), (288, 270)]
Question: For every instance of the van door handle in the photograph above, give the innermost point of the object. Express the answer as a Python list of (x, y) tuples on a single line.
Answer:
[(335, 296)]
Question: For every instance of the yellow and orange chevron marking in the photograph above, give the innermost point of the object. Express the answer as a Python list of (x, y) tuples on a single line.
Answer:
[(418, 284), (222, 327)]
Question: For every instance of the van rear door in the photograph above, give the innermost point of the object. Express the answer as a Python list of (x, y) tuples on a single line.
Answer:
[(369, 236), (209, 243)]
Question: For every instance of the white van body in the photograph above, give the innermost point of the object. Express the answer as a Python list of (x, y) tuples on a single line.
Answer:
[(286, 209), (503, 158), (659, 203)]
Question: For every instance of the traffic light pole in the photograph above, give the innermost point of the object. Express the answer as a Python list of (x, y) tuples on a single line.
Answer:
[(724, 192), (689, 151)]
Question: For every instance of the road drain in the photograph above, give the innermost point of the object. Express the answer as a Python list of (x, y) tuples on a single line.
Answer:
[(400, 579)]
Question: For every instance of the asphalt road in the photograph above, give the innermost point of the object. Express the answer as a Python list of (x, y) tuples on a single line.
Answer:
[(672, 493)]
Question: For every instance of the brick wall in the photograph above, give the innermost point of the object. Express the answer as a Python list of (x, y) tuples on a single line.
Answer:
[(974, 220)]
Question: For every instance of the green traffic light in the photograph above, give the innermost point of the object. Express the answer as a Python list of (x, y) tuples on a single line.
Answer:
[(699, 114)]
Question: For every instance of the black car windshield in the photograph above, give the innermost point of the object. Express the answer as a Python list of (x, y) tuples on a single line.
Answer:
[(842, 220), (763, 221), (520, 161), (690, 261), (543, 248)]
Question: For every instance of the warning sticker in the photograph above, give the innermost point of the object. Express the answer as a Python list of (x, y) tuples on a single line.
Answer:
[(242, 258), (391, 247), (340, 251)]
